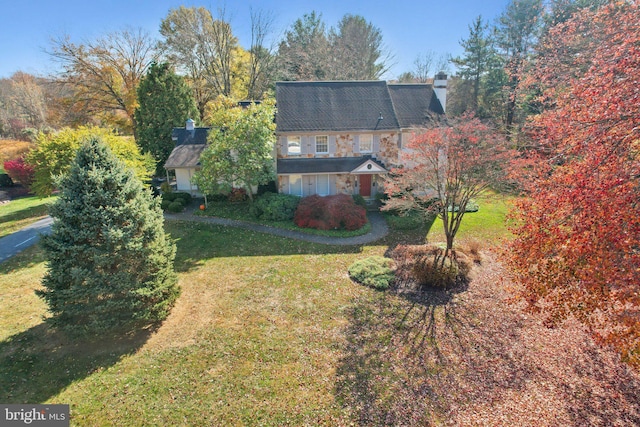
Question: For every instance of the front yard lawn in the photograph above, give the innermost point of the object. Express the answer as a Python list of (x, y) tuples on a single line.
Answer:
[(19, 213), (271, 331), (487, 225)]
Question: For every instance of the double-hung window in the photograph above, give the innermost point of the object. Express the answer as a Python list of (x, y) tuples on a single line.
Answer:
[(293, 146), (322, 144), (366, 143)]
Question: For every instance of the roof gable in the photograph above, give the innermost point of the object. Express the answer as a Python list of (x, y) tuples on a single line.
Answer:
[(369, 166), (415, 104)]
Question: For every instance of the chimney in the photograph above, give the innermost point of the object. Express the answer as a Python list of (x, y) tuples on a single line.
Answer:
[(190, 124), (440, 89)]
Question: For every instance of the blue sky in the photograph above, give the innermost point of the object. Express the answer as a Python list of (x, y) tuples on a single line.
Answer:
[(408, 28)]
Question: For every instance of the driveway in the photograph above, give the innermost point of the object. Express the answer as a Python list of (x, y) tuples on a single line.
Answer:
[(379, 229), (20, 240), (12, 244)]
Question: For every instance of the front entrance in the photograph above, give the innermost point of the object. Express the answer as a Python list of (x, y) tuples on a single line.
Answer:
[(365, 185)]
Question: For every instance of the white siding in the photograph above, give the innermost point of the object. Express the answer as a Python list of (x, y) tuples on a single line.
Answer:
[(183, 180)]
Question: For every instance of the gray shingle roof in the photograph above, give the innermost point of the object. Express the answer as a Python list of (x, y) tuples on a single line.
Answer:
[(182, 136), (353, 105), (189, 145), (415, 104), (322, 165), (334, 106), (185, 156)]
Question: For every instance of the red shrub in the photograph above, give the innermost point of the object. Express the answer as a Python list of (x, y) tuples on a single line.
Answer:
[(330, 213), (237, 195), (20, 171)]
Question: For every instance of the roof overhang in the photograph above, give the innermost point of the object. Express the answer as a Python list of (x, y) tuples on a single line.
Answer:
[(330, 165)]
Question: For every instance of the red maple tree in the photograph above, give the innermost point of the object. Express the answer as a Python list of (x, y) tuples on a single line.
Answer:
[(577, 245), (444, 168)]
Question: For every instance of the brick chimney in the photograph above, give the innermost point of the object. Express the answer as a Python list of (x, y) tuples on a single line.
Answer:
[(440, 89)]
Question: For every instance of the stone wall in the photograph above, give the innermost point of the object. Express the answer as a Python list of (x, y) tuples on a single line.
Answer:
[(388, 150)]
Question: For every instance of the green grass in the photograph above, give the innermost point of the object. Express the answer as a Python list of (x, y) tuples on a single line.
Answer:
[(240, 211), (267, 331), (253, 339), (19, 213), (487, 225)]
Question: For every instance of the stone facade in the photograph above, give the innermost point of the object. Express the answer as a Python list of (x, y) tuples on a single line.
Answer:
[(388, 151), (385, 146), (345, 184)]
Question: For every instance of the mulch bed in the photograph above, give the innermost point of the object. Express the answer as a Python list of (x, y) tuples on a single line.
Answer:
[(472, 356)]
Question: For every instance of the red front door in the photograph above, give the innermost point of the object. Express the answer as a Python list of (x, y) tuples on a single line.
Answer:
[(365, 185)]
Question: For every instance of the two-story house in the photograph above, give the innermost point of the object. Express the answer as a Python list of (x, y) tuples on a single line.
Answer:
[(340, 136), (332, 136)]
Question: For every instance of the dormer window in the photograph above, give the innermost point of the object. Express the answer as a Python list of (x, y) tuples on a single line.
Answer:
[(366, 143), (293, 146), (322, 144)]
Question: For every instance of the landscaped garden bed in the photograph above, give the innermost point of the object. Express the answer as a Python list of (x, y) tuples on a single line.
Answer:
[(278, 210)]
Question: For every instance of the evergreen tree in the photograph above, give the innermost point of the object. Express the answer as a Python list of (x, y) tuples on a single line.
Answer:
[(165, 101), (475, 62), (516, 34), (110, 264)]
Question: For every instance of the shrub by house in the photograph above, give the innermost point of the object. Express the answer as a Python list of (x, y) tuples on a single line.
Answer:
[(330, 213)]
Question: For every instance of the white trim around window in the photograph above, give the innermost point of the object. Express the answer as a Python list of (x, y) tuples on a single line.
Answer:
[(294, 145), (365, 143), (322, 144)]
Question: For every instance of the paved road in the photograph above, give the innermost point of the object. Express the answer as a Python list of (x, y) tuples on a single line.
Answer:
[(20, 240)]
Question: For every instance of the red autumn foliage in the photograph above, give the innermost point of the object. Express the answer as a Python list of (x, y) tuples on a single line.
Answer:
[(446, 167), (237, 195), (577, 245), (20, 171), (330, 213)]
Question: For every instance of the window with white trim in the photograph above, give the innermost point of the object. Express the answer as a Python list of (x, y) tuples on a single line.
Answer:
[(322, 144), (295, 185), (294, 145), (322, 185), (365, 143)]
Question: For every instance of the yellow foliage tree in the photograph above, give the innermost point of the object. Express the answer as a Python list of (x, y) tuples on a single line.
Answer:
[(55, 152)]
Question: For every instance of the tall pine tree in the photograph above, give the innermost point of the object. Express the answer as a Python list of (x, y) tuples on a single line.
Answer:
[(110, 264), (475, 62), (165, 101), (516, 34)]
